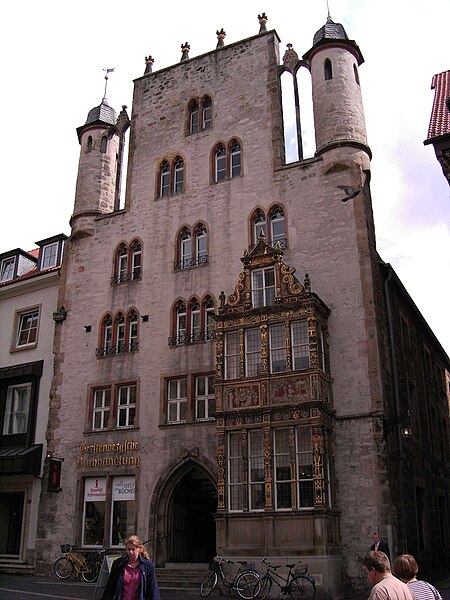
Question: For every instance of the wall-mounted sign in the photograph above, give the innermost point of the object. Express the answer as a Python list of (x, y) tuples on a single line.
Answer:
[(93, 455), (123, 488), (94, 489)]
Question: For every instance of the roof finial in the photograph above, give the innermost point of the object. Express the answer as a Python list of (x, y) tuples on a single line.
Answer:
[(185, 51), (106, 80), (262, 22), (149, 60), (328, 11), (220, 37)]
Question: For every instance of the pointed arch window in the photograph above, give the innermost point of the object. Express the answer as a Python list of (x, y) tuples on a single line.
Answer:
[(132, 327), (192, 250), (127, 263), (136, 259), (185, 249), (277, 227), (194, 324), (164, 180), (201, 245), (328, 69), (195, 321), (220, 163), (273, 227), (107, 334), (193, 117), (89, 144), (119, 333), (355, 72), (122, 263), (259, 226), (235, 153), (178, 178), (206, 112)]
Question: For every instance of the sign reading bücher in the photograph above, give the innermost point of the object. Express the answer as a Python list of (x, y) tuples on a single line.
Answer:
[(117, 454)]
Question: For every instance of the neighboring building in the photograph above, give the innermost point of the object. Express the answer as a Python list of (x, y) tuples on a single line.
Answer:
[(205, 395), (439, 128), (28, 299)]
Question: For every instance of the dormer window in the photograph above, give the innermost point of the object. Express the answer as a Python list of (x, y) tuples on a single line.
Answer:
[(263, 287), (49, 256), (7, 268)]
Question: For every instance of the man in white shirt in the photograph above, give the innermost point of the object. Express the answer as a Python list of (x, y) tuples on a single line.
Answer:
[(385, 585)]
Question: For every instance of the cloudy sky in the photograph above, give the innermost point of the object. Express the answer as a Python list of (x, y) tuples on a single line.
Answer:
[(53, 56)]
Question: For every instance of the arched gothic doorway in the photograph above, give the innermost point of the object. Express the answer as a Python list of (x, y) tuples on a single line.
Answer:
[(192, 530)]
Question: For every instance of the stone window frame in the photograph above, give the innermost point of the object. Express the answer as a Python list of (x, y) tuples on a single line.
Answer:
[(115, 409), (229, 167), (182, 326), (171, 178), (263, 221), (202, 108), (127, 262)]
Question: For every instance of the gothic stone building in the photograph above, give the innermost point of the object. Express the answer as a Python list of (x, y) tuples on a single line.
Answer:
[(238, 367)]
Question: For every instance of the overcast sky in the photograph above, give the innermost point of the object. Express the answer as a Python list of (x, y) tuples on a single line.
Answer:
[(53, 56)]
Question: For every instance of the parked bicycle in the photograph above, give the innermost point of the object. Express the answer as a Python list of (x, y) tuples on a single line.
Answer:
[(298, 585), (87, 564), (246, 582)]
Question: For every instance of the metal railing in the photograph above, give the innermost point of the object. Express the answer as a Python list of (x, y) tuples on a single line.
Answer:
[(187, 263), (192, 338), (122, 278), (117, 349)]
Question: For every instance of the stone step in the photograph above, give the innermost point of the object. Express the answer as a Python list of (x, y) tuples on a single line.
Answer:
[(16, 567)]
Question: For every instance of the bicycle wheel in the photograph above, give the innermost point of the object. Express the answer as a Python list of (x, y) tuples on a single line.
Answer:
[(266, 586), (91, 575), (208, 583), (63, 568), (248, 585), (302, 588)]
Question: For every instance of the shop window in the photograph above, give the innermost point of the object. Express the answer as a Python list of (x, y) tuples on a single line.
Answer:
[(256, 469), (123, 509), (94, 511), (235, 473)]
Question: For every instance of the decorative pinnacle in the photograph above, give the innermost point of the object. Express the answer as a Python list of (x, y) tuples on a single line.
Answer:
[(149, 60), (185, 51), (220, 37), (262, 22)]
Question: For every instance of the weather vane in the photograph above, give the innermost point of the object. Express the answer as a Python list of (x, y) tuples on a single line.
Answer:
[(106, 79), (328, 9)]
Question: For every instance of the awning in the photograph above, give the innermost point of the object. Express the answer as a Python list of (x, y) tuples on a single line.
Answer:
[(21, 460)]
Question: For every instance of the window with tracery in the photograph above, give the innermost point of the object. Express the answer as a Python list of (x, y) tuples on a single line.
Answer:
[(272, 227), (119, 335), (199, 114), (171, 177), (127, 263), (193, 322), (191, 248), (227, 161)]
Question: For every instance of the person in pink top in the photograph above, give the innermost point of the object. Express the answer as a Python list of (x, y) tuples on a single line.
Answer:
[(132, 576), (385, 585)]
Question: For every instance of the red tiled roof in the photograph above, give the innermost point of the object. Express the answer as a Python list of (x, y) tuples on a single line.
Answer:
[(440, 116), (34, 252), (33, 272)]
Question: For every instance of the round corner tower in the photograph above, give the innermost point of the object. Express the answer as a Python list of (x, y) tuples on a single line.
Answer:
[(338, 107), (97, 168)]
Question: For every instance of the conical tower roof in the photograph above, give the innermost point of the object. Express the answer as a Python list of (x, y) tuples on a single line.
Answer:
[(103, 112), (333, 33)]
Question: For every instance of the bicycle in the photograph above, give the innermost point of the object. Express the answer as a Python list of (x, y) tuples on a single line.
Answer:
[(246, 582), (88, 565), (297, 585)]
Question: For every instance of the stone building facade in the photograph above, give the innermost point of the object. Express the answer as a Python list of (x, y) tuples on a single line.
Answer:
[(224, 381)]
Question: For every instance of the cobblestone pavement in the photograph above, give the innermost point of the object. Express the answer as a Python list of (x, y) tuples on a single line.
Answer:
[(21, 587)]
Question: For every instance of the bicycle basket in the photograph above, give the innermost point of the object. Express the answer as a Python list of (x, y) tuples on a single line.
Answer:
[(213, 565), (303, 570), (65, 548)]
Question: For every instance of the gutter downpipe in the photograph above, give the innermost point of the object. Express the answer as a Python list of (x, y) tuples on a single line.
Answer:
[(404, 541)]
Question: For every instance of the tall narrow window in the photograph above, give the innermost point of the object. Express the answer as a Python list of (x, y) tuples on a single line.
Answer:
[(49, 256), (282, 465), (103, 144), (232, 355), (256, 469), (277, 348), (120, 333), (132, 332), (122, 260), (164, 180), (210, 323), (195, 321), (185, 249), (305, 468), (355, 72), (181, 324), (204, 397), (235, 153), (300, 345), (252, 351), (328, 69), (94, 511), (201, 245), (220, 164), (89, 144), (123, 509), (207, 112), (177, 400), (193, 117), (136, 260), (263, 287), (178, 178), (101, 409), (235, 479), (259, 226), (277, 228), (126, 406), (17, 406), (107, 335)]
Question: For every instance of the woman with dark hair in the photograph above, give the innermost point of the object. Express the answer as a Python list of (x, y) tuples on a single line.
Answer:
[(132, 576), (406, 569)]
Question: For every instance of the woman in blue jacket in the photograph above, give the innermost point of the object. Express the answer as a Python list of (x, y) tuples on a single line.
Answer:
[(132, 576)]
